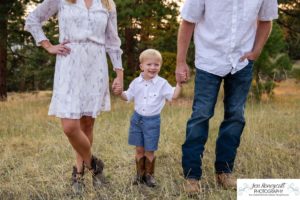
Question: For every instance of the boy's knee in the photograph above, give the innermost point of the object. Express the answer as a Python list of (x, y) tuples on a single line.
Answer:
[(140, 152), (149, 155)]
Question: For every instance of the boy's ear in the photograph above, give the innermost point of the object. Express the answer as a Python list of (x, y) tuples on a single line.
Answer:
[(141, 67)]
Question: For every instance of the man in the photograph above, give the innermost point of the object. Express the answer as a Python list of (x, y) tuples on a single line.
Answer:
[(228, 35)]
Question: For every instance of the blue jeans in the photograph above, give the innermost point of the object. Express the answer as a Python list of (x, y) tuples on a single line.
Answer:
[(236, 88)]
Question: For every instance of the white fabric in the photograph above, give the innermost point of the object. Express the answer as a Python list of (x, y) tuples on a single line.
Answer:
[(225, 30), (81, 84), (79, 24), (149, 96)]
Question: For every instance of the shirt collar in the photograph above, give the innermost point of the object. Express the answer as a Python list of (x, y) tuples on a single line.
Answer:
[(153, 80)]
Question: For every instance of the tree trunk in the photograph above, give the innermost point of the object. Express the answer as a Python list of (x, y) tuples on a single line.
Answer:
[(3, 49), (129, 50)]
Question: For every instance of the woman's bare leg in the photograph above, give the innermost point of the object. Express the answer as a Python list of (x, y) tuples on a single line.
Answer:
[(77, 138), (86, 125)]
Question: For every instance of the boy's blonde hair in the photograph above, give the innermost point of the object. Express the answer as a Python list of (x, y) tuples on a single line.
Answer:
[(108, 4), (150, 53)]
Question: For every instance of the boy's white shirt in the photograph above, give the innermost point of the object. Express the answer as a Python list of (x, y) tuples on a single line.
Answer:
[(149, 96), (225, 30)]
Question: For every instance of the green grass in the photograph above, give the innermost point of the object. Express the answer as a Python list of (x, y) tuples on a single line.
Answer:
[(36, 158)]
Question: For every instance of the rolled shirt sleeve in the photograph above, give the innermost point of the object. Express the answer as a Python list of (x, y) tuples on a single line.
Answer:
[(34, 21), (130, 92), (192, 10), (112, 40), (268, 10)]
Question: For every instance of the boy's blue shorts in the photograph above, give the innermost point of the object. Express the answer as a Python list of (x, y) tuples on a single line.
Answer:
[(144, 131)]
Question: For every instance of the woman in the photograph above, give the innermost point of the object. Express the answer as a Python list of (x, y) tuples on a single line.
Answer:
[(87, 30)]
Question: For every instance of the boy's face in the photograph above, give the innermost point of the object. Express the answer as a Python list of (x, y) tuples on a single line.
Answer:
[(150, 67)]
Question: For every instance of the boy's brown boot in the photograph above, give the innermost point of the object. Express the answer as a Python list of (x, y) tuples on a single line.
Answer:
[(226, 180), (140, 171), (192, 186), (149, 172), (97, 172), (77, 181)]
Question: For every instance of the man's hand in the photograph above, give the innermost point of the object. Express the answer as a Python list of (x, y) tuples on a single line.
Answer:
[(182, 73), (250, 56)]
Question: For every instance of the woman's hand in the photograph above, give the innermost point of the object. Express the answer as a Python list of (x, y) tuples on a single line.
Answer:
[(60, 49), (117, 85)]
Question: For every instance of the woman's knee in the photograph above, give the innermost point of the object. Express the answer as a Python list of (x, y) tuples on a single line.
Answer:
[(70, 129), (87, 125)]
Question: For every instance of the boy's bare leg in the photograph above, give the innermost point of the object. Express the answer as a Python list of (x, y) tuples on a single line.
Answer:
[(139, 152), (150, 155)]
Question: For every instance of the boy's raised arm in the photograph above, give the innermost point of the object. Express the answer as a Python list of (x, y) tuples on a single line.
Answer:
[(123, 96), (177, 91)]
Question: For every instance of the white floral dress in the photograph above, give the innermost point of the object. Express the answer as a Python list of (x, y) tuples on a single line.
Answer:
[(81, 85)]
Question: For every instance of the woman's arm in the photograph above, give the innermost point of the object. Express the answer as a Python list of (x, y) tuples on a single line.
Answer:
[(34, 25), (34, 21), (112, 40)]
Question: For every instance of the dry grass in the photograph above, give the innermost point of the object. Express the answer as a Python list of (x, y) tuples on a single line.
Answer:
[(36, 158)]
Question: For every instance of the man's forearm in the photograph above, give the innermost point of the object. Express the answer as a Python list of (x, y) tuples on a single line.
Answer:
[(185, 33), (262, 34)]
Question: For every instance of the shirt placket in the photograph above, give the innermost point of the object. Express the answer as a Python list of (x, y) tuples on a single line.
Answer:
[(233, 32), (144, 109)]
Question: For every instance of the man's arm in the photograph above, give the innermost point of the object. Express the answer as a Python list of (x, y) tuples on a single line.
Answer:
[(263, 31), (185, 33)]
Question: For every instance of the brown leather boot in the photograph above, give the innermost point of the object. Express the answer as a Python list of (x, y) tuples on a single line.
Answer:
[(97, 172), (226, 180), (149, 172), (77, 181), (192, 186), (140, 171)]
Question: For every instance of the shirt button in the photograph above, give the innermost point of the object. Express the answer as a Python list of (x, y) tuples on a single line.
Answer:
[(146, 85)]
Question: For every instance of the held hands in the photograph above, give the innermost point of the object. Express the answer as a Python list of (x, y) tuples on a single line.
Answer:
[(182, 73), (60, 49), (117, 86)]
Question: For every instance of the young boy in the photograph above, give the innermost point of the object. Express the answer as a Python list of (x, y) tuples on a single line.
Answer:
[(149, 93)]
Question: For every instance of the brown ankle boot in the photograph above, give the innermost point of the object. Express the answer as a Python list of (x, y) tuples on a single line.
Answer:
[(77, 181), (97, 172), (140, 171), (192, 186), (149, 173), (226, 180)]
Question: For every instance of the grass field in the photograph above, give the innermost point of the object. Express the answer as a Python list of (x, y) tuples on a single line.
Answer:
[(36, 158)]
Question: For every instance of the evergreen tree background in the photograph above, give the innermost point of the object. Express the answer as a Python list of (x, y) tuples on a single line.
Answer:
[(142, 24)]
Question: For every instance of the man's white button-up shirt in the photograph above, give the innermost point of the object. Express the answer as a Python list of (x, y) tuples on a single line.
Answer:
[(225, 30)]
